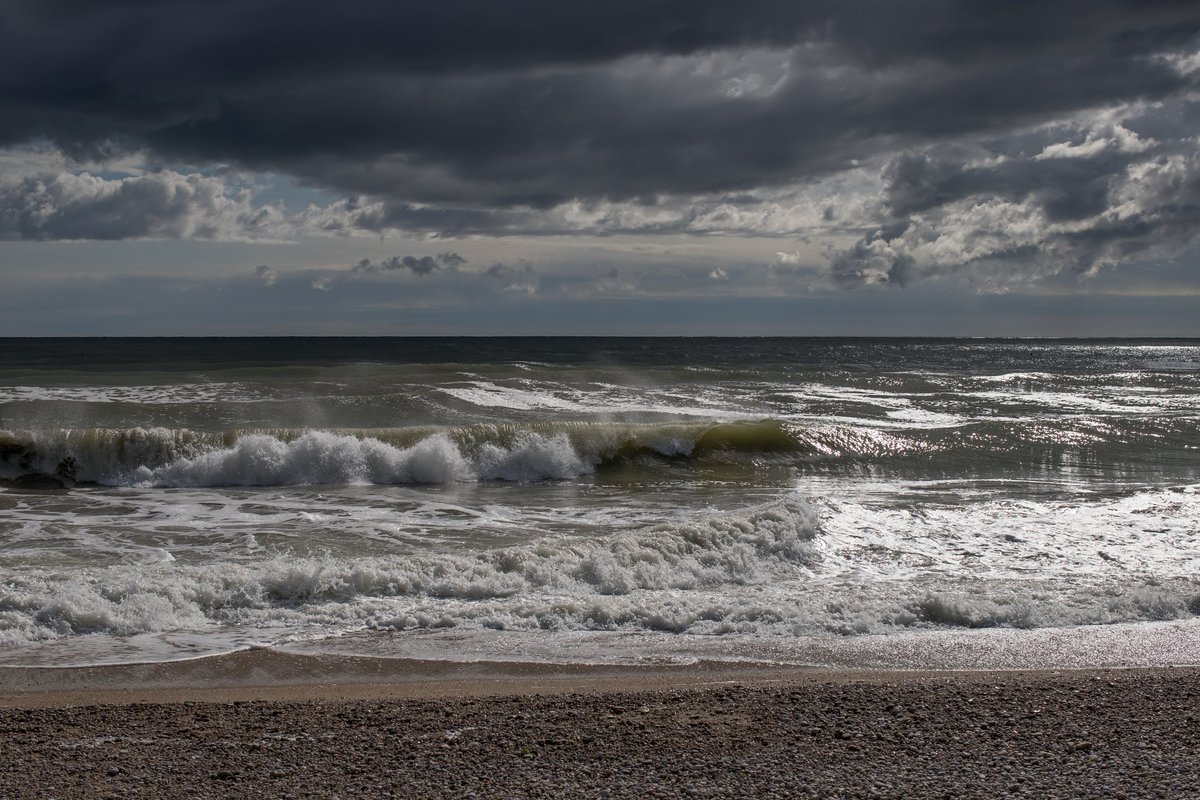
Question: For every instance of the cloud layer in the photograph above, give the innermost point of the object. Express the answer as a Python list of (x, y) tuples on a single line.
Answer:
[(1013, 141)]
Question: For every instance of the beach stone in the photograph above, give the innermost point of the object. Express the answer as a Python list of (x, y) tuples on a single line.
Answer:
[(762, 748)]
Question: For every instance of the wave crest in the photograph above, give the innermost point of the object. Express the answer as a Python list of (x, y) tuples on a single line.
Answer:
[(163, 457), (314, 458), (564, 449)]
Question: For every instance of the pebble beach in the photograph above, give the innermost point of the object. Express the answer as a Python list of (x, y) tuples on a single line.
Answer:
[(1073, 733)]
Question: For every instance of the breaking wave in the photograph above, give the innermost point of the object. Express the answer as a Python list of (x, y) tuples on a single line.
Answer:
[(558, 582), (178, 457), (764, 570), (164, 457)]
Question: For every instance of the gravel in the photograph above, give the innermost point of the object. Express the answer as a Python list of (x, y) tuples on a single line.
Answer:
[(1133, 733)]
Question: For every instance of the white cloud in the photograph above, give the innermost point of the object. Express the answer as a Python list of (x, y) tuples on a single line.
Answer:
[(1114, 137), (155, 205)]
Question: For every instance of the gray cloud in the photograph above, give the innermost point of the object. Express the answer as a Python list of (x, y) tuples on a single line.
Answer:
[(873, 259), (521, 278), (421, 266), (612, 282), (1083, 198), (165, 205), (268, 275), (418, 265), (476, 107)]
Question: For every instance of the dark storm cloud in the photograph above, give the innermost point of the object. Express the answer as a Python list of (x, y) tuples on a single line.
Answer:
[(483, 104), (1066, 188)]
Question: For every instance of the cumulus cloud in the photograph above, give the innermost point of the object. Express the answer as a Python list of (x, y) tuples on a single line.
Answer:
[(161, 205), (417, 265), (421, 266), (1086, 200), (874, 259)]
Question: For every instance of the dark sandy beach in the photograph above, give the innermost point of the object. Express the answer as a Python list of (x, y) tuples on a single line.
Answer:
[(234, 727)]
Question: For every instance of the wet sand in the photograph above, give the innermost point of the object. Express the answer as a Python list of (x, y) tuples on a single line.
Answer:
[(266, 724)]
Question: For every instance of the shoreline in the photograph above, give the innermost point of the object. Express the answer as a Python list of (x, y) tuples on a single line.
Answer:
[(370, 667), (267, 675), (274, 676)]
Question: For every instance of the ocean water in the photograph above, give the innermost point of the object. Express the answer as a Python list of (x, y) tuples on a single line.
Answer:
[(615, 500)]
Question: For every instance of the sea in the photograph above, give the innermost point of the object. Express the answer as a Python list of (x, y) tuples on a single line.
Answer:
[(601, 500)]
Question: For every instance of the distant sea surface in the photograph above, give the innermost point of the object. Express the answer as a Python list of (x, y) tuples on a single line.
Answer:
[(587, 499)]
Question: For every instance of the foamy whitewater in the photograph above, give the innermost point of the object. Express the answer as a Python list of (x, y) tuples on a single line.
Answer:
[(593, 500)]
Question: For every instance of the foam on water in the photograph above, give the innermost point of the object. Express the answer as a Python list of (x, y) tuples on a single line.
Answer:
[(770, 570), (314, 458), (709, 553), (598, 398), (164, 394), (1147, 533), (166, 458)]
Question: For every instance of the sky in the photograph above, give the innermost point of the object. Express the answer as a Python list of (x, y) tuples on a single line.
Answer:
[(599, 167)]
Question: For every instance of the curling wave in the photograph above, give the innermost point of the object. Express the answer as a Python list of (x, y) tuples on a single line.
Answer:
[(163, 457), (178, 457)]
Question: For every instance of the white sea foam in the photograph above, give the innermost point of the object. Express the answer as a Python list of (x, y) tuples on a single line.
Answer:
[(161, 457), (558, 581), (1076, 402), (314, 458), (162, 394), (534, 457), (1151, 533), (770, 570), (319, 457), (601, 399), (490, 395)]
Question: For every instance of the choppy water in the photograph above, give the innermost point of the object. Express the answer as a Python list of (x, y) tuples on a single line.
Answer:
[(590, 499)]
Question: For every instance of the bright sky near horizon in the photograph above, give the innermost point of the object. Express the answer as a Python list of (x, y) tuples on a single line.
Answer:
[(928, 167)]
